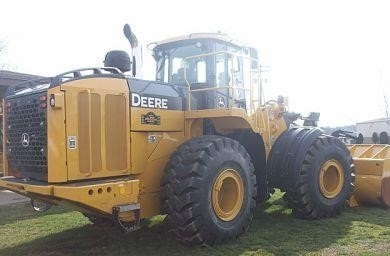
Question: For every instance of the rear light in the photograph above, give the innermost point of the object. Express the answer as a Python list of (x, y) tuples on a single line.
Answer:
[(43, 99)]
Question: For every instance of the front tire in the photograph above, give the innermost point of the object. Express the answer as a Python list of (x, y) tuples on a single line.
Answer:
[(315, 171), (209, 191), (327, 181)]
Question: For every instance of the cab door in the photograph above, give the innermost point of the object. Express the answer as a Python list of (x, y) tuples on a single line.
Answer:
[(97, 127)]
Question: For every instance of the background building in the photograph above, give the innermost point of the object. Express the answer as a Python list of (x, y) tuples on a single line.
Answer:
[(375, 131), (9, 78)]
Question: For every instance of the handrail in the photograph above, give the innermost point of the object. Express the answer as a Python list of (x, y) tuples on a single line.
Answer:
[(219, 52), (221, 87), (79, 73)]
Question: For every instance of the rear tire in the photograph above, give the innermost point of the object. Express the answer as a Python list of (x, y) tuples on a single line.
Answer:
[(316, 172), (209, 191)]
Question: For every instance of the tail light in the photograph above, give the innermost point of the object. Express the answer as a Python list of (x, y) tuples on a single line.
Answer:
[(43, 99)]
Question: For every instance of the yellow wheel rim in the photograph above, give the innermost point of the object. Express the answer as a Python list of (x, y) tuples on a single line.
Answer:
[(331, 178), (227, 195)]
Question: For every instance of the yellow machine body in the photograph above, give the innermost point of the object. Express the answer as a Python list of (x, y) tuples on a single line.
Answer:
[(372, 168), (200, 137), (109, 137), (100, 155)]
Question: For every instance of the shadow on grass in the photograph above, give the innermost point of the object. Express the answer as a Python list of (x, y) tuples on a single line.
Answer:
[(282, 234), (90, 240), (273, 231), (24, 211)]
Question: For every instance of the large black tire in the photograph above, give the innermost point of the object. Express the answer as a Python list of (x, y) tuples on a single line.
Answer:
[(315, 171), (195, 214)]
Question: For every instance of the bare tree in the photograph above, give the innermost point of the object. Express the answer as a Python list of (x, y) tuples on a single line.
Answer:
[(2, 50), (2, 47)]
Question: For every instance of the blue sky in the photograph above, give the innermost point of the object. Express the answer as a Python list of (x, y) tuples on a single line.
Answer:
[(327, 56)]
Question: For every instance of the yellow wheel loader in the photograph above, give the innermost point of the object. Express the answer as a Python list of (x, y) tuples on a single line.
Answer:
[(199, 144)]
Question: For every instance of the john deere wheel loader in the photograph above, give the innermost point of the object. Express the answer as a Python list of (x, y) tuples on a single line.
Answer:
[(199, 144)]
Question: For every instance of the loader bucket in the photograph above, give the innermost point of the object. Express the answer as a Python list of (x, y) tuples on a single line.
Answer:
[(372, 168)]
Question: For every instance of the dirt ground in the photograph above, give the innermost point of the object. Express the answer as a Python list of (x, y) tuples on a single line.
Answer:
[(8, 197)]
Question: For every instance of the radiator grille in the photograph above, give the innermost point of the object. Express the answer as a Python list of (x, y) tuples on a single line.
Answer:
[(26, 130)]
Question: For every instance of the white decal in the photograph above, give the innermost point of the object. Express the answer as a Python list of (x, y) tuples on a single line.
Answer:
[(152, 138), (148, 102), (72, 142)]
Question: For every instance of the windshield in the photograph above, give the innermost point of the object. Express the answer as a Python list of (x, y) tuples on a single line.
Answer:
[(218, 73), (171, 60)]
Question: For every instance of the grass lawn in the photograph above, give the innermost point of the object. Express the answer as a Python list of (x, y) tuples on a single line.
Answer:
[(358, 231)]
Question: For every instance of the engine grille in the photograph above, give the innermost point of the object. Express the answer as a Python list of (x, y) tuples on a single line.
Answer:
[(26, 130)]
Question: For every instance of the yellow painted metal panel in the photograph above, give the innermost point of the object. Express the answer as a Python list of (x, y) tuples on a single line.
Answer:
[(155, 160), (193, 128), (140, 152), (101, 196), (372, 165), (97, 123), (24, 188), (149, 164), (86, 108), (150, 204), (72, 131), (378, 151), (368, 189), (116, 144), (368, 166), (222, 112), (153, 146), (83, 131), (56, 139), (96, 132), (151, 177)]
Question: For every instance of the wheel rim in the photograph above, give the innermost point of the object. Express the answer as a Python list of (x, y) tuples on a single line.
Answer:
[(227, 194), (331, 178)]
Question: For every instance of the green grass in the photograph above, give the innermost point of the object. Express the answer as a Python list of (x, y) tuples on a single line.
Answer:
[(358, 231)]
